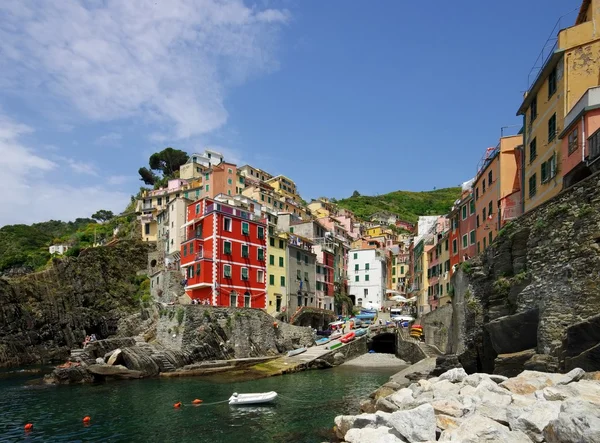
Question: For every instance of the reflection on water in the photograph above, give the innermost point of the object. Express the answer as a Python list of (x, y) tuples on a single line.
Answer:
[(142, 410)]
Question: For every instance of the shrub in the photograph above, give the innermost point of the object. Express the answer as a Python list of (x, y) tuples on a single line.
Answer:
[(180, 315)]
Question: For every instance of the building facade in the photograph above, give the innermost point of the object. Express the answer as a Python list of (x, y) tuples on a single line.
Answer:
[(367, 275), (276, 270), (224, 255), (301, 267)]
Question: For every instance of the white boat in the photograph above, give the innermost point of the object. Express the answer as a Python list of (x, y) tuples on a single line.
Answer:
[(296, 352), (335, 335), (252, 399)]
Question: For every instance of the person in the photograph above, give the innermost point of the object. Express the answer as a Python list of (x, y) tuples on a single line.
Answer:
[(86, 341)]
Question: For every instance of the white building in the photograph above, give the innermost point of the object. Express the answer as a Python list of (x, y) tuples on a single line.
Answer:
[(198, 163), (170, 227), (58, 249), (367, 275)]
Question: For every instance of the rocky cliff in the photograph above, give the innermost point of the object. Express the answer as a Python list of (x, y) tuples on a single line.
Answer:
[(531, 300), (44, 315)]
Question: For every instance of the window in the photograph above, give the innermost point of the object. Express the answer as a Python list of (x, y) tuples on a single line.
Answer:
[(472, 207), (365, 292), (366, 266), (394, 271), (282, 281), (147, 228), (227, 271), (261, 254), (306, 259), (484, 215), (446, 245), (185, 249), (229, 171), (272, 260), (552, 83), (227, 248), (207, 187), (573, 141), (393, 280), (356, 278), (306, 276), (533, 109), (472, 235), (233, 299), (197, 209), (260, 276), (548, 169), (355, 256), (191, 248), (198, 269), (490, 238), (464, 212), (478, 247), (271, 280), (318, 284), (281, 244), (298, 274), (490, 178), (532, 185), (247, 299), (551, 127), (476, 193), (261, 232), (477, 221), (281, 262), (229, 182), (484, 243), (356, 267), (272, 242), (490, 209), (532, 150), (367, 277), (298, 257), (402, 269), (245, 228), (454, 247), (244, 273), (291, 229), (245, 251), (227, 224)]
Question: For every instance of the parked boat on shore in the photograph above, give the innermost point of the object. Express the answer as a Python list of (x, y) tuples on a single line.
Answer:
[(360, 332), (296, 352), (335, 335), (322, 341), (348, 337), (252, 399)]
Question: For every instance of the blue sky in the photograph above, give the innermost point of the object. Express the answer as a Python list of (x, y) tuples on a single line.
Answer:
[(338, 95)]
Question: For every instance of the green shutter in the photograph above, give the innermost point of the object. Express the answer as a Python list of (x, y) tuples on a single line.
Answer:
[(245, 251), (281, 262), (261, 254), (227, 247), (272, 280), (282, 281)]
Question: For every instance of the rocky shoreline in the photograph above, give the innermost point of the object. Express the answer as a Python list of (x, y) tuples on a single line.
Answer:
[(454, 406)]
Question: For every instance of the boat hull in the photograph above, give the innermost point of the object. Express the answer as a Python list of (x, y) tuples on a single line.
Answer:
[(322, 341), (252, 399), (348, 337), (296, 352)]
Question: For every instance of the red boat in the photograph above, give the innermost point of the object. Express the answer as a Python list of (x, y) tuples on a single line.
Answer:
[(348, 337)]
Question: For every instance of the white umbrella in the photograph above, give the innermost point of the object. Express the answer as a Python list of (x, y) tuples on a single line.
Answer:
[(399, 298), (412, 299)]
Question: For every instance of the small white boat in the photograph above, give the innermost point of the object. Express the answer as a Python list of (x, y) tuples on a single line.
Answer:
[(252, 399), (336, 335), (296, 352)]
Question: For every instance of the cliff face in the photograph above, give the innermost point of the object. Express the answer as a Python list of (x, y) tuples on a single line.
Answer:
[(531, 300), (43, 315)]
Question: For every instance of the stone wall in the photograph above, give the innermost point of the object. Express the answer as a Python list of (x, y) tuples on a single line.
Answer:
[(408, 351), (346, 353), (436, 327), (166, 286), (539, 278), (211, 333)]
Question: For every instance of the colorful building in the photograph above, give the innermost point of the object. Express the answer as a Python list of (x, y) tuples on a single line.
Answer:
[(301, 269), (565, 75), (276, 270), (367, 277), (224, 254), (197, 164)]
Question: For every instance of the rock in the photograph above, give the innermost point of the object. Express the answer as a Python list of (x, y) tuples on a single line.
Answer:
[(424, 366), (577, 422), (582, 345), (114, 357), (424, 385), (592, 375), (402, 397), (137, 359), (479, 429), (530, 381), (415, 425), (449, 407), (371, 435), (443, 363), (344, 423), (444, 422), (571, 376), (584, 390), (117, 371), (542, 363), (385, 405), (445, 389), (455, 375), (475, 379), (99, 361), (498, 378), (533, 418), (338, 358), (368, 406), (511, 365), (69, 375), (514, 333)]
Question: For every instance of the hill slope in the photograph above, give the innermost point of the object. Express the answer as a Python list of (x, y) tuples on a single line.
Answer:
[(408, 205)]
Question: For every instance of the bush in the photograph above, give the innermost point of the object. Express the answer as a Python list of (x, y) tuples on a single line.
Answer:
[(180, 315)]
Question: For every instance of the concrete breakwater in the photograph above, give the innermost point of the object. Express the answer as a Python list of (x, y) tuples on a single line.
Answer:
[(531, 407)]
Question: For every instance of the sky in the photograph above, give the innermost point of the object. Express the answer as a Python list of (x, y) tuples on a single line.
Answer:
[(338, 95)]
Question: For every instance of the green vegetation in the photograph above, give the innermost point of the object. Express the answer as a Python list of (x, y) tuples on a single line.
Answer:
[(584, 211), (164, 165), (180, 314), (466, 267), (408, 205)]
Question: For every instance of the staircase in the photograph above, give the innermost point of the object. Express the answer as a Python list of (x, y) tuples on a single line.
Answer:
[(155, 354), (428, 350), (77, 355)]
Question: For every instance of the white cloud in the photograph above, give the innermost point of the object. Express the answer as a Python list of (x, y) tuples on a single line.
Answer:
[(118, 179), (33, 191), (112, 138), (82, 167), (169, 63)]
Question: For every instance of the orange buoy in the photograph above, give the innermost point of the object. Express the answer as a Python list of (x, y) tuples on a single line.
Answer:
[(177, 405), (86, 419), (197, 401), (28, 426)]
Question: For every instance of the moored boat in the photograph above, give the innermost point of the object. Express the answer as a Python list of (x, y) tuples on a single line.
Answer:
[(296, 352), (335, 335), (360, 332), (252, 399), (322, 341), (348, 337)]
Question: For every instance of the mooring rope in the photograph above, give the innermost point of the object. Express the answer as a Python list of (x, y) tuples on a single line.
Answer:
[(295, 399), (213, 403)]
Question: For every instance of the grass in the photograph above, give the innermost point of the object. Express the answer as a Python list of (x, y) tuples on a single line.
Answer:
[(408, 205)]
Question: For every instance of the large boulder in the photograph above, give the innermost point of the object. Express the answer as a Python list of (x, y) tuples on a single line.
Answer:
[(116, 372), (527, 382), (479, 429), (514, 333), (511, 365), (577, 422), (414, 425), (582, 345), (71, 374), (533, 419), (372, 435), (137, 359)]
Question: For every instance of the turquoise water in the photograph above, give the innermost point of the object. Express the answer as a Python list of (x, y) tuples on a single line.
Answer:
[(142, 410)]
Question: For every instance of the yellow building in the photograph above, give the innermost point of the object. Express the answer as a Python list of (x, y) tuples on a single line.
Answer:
[(444, 277), (321, 208), (566, 74), (375, 231), (399, 270), (276, 270)]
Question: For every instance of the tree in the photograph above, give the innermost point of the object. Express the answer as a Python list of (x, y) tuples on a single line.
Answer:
[(168, 161), (147, 176), (103, 215), (356, 194), (343, 303)]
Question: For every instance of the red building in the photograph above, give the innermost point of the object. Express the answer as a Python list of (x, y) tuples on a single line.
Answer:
[(224, 255)]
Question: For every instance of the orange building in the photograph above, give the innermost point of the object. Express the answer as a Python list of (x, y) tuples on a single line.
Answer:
[(580, 139), (220, 179), (498, 178)]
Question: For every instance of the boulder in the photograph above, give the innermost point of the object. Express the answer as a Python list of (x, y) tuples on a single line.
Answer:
[(479, 429), (369, 406), (528, 382), (371, 435), (454, 375), (443, 363), (99, 361), (511, 365), (383, 404), (584, 390), (138, 359), (571, 376), (424, 366), (415, 425), (338, 359), (402, 397), (115, 357), (449, 407), (542, 363), (344, 423), (514, 333), (577, 422), (74, 374), (445, 389), (444, 422), (533, 419), (117, 372)]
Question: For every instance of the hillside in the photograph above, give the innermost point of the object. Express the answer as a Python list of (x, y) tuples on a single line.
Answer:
[(408, 205)]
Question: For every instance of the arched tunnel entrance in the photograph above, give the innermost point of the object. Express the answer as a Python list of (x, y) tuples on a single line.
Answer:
[(383, 343)]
